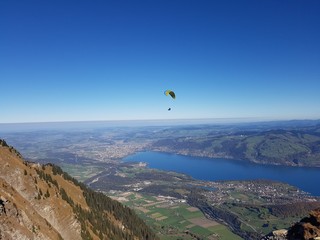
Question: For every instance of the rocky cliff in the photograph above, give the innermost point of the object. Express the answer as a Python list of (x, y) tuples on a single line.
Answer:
[(307, 229), (43, 202)]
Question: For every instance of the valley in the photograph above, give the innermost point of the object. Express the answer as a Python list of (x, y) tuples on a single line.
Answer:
[(248, 208), (199, 209)]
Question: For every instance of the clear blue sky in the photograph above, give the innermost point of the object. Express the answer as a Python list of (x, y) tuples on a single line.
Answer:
[(112, 60)]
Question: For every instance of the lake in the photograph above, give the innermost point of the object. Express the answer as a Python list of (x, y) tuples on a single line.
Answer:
[(307, 179)]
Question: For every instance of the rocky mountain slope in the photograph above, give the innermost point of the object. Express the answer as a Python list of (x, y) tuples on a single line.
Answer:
[(42, 202), (307, 229)]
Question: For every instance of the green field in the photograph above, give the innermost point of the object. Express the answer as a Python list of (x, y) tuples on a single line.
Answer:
[(259, 218), (81, 172), (173, 220)]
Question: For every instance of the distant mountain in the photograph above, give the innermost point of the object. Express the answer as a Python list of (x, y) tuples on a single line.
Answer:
[(296, 146), (43, 202)]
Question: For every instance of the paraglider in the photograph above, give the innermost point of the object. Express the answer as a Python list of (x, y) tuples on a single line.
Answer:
[(170, 93)]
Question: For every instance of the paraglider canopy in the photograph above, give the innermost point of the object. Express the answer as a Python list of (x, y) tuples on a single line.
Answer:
[(171, 93)]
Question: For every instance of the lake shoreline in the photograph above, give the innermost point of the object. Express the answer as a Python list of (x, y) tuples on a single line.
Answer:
[(204, 168), (227, 157)]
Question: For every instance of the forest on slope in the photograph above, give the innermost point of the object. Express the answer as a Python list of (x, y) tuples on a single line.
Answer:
[(299, 146), (43, 202)]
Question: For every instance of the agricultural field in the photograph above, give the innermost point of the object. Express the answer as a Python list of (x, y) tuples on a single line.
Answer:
[(81, 172), (173, 218), (259, 218)]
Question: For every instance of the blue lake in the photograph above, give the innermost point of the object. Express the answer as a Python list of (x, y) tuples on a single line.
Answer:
[(307, 179)]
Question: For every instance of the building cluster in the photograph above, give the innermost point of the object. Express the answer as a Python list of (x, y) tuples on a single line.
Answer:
[(267, 192)]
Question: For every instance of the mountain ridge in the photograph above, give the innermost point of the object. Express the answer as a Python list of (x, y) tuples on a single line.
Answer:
[(281, 146), (43, 202)]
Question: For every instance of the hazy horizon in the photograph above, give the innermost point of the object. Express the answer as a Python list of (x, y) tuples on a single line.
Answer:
[(32, 126)]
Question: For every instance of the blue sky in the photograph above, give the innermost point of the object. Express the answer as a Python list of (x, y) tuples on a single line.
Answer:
[(112, 60)]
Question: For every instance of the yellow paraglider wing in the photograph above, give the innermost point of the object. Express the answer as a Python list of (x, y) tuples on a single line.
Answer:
[(171, 93)]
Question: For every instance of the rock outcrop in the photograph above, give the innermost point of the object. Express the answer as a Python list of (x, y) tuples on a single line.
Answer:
[(308, 228), (43, 202)]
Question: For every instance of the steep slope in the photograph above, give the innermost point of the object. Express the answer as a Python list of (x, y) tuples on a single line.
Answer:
[(307, 229), (43, 202)]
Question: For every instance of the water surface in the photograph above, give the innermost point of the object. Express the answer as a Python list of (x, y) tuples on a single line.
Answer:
[(307, 179)]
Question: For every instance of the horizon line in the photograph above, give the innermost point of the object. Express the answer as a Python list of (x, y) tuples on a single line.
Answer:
[(233, 119)]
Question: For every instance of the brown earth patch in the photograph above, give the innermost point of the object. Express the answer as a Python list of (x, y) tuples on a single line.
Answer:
[(192, 209), (203, 222)]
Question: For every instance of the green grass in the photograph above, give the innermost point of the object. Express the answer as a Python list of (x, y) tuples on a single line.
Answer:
[(259, 216), (224, 233), (81, 172), (201, 231), (177, 220)]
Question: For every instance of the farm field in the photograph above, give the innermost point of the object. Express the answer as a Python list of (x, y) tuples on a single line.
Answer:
[(259, 218), (174, 219)]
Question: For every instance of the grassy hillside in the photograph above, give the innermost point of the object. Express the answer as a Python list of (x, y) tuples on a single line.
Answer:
[(294, 147)]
